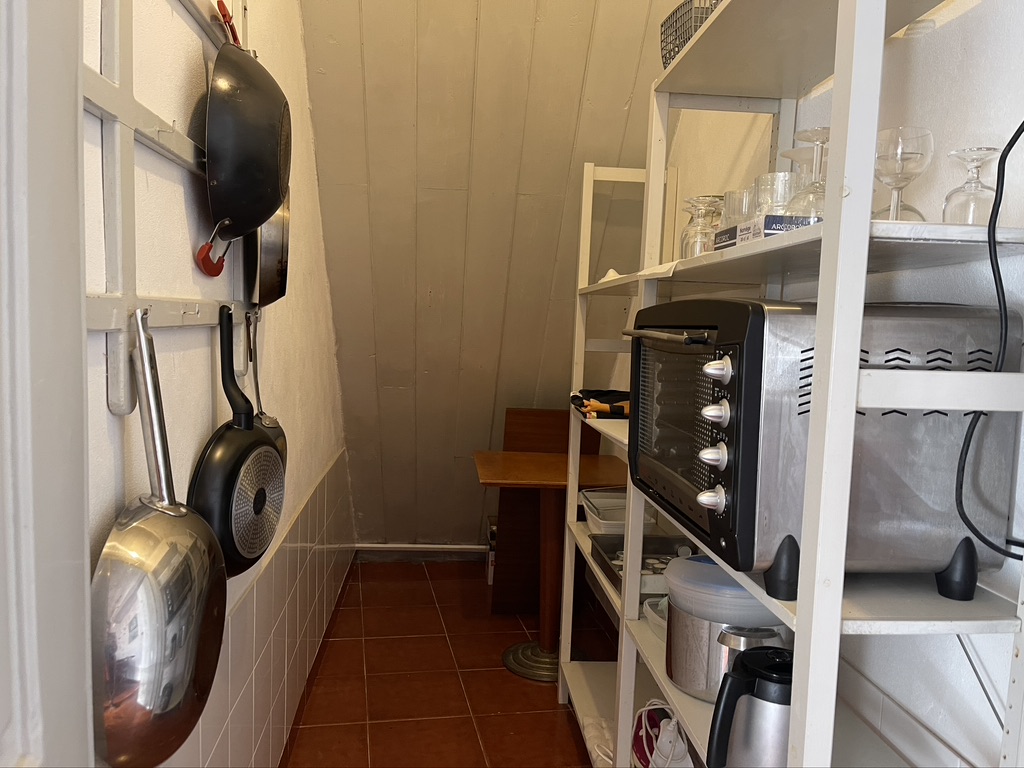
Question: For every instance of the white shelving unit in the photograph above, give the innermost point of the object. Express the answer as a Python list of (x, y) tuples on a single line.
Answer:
[(744, 58)]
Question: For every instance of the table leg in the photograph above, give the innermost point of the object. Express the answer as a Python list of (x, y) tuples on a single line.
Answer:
[(538, 660)]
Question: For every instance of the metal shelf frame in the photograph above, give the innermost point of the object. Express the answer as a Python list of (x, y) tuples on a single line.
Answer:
[(109, 96)]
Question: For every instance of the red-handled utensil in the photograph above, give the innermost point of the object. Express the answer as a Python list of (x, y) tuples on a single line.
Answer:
[(225, 15)]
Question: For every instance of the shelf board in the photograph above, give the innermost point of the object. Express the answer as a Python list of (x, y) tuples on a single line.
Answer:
[(892, 604), (581, 532), (854, 743), (693, 714), (894, 246), (623, 285), (616, 430), (591, 687), (792, 46)]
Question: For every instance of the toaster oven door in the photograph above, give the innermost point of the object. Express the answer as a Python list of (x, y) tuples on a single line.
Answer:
[(669, 429)]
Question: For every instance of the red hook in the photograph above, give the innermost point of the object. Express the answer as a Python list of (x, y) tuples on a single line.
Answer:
[(225, 14), (204, 260)]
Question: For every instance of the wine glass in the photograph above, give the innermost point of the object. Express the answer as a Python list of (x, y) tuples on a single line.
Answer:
[(901, 155), (971, 202), (699, 235), (810, 201)]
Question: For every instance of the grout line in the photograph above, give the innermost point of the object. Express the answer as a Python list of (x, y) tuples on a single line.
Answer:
[(362, 643), (462, 684)]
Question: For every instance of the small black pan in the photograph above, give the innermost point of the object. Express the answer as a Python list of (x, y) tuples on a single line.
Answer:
[(265, 258), (238, 482)]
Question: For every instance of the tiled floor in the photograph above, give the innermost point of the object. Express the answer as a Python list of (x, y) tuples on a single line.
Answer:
[(410, 674)]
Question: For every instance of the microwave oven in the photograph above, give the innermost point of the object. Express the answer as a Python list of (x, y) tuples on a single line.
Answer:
[(720, 404)]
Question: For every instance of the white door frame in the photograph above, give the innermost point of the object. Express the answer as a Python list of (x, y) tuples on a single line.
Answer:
[(46, 717)]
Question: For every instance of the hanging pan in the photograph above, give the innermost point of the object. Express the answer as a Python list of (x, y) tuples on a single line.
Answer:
[(265, 258), (248, 149), (238, 482), (158, 600)]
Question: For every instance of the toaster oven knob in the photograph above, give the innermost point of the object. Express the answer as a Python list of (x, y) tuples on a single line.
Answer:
[(720, 370), (717, 457), (717, 413), (713, 499)]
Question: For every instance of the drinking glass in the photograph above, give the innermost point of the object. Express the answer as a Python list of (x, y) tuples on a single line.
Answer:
[(737, 208), (810, 200), (774, 191), (699, 235), (971, 202), (901, 155)]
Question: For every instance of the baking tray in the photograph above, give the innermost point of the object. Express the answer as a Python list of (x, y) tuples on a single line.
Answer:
[(604, 548)]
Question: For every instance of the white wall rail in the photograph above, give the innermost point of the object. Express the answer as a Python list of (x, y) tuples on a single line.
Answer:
[(109, 95)]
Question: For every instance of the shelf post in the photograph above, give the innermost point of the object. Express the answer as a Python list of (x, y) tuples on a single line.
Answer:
[(654, 189), (860, 37)]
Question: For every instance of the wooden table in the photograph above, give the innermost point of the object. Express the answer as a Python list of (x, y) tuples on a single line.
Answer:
[(548, 473)]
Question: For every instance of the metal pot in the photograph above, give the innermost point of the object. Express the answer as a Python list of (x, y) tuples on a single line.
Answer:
[(158, 604), (265, 258), (698, 652)]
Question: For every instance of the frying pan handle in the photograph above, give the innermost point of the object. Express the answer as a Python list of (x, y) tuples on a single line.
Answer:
[(241, 408), (225, 14), (151, 409)]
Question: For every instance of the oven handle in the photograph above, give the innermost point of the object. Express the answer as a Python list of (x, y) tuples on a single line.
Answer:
[(702, 337)]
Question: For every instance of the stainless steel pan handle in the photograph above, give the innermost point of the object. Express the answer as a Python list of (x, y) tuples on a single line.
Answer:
[(151, 408)]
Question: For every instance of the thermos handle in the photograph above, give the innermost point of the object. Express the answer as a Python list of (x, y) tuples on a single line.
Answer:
[(733, 687)]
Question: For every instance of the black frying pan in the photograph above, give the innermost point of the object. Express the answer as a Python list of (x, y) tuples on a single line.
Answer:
[(238, 482), (248, 148)]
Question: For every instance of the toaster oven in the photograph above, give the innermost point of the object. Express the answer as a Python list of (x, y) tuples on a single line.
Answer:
[(720, 404)]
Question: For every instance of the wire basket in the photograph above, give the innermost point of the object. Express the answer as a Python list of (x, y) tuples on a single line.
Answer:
[(680, 25)]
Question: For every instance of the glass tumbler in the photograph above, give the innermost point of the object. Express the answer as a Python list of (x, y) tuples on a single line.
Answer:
[(737, 208), (774, 191)]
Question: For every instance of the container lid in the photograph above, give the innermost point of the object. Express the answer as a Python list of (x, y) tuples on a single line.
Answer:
[(698, 586), (768, 663), (604, 500)]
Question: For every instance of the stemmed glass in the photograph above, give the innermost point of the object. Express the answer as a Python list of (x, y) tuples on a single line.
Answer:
[(699, 235), (901, 155), (810, 201), (971, 202)]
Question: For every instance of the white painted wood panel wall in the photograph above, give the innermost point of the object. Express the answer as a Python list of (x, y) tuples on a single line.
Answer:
[(451, 137)]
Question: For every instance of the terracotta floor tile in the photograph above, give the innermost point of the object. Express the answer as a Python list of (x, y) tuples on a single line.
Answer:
[(483, 651), (341, 657), (346, 623), (369, 572), (498, 691), (404, 621), (471, 619), (461, 592), (408, 654), (334, 700), (443, 742), (350, 596), (457, 569), (376, 594), (414, 696), (534, 740), (326, 746)]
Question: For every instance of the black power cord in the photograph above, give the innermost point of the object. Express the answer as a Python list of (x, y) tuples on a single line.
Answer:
[(997, 278)]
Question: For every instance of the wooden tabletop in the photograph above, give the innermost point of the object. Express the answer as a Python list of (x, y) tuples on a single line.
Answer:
[(512, 469)]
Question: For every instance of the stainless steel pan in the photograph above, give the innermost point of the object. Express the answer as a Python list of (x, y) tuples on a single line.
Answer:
[(158, 603)]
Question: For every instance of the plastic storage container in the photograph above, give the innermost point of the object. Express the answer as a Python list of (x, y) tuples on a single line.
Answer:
[(606, 511)]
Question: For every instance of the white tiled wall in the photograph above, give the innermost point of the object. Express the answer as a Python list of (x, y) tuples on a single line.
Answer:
[(273, 633)]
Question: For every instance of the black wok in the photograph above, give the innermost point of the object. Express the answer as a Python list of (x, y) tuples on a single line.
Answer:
[(238, 482), (248, 145)]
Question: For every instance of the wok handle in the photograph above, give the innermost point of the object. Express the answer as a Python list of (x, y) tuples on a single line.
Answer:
[(151, 409), (241, 408), (225, 14)]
